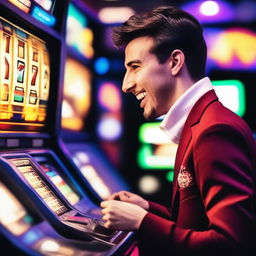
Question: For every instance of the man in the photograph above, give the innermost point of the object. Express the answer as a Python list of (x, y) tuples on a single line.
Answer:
[(213, 202)]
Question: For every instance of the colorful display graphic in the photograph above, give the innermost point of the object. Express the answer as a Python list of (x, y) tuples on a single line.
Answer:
[(60, 183), (77, 95), (24, 79)]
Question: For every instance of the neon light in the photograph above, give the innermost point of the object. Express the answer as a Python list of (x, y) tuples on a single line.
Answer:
[(210, 11), (170, 176), (232, 48), (115, 14), (102, 65), (209, 8), (232, 94), (22, 124), (44, 17), (109, 128), (79, 36), (109, 97), (147, 159), (73, 12), (149, 184), (156, 151), (151, 133)]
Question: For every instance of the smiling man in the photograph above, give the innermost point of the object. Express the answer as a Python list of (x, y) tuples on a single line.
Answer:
[(213, 202)]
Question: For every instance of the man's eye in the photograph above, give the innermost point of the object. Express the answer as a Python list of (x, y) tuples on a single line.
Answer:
[(134, 67)]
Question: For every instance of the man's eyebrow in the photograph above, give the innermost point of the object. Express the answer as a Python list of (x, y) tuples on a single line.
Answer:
[(130, 63)]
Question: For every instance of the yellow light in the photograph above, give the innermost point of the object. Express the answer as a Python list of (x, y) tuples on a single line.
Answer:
[(149, 184), (239, 44)]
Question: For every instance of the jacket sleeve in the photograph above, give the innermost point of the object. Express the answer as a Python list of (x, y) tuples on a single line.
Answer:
[(159, 210), (224, 169)]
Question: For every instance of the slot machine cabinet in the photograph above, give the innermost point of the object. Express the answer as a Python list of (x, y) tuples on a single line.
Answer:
[(24, 232), (79, 108), (37, 189), (31, 55)]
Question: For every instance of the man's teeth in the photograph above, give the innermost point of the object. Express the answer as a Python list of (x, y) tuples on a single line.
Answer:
[(140, 96)]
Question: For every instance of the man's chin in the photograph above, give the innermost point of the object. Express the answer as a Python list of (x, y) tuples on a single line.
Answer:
[(150, 116)]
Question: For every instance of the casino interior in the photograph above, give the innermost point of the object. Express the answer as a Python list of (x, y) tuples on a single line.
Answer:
[(69, 137)]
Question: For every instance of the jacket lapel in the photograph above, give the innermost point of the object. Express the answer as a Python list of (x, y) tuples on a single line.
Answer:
[(186, 135)]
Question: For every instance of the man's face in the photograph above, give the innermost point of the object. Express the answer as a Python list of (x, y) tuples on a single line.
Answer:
[(150, 81)]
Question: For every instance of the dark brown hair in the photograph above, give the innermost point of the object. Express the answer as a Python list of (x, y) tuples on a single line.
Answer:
[(171, 28)]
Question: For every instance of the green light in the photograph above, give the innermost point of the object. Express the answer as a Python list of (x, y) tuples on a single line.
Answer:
[(170, 176), (74, 13), (147, 130), (227, 98), (147, 160)]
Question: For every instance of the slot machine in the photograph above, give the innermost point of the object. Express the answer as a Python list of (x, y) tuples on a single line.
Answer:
[(79, 109), (34, 166), (24, 232)]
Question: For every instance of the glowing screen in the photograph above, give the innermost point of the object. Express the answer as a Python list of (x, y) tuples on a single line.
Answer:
[(13, 215), (37, 183), (24, 79), (79, 36), (77, 95), (58, 181), (39, 9), (46, 4)]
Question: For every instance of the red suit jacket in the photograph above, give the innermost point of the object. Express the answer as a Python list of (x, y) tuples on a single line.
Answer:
[(213, 202)]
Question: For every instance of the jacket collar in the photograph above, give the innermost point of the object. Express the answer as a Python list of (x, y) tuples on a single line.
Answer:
[(193, 118)]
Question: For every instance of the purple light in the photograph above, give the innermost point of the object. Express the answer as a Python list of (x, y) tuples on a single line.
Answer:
[(224, 51), (210, 11)]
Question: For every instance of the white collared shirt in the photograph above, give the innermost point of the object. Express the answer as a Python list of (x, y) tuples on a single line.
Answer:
[(177, 115)]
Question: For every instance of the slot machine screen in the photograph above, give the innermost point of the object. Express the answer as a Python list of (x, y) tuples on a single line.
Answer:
[(13, 215), (36, 182), (24, 80), (52, 172)]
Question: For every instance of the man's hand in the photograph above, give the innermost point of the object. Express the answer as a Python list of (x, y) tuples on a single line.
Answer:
[(129, 197), (122, 215)]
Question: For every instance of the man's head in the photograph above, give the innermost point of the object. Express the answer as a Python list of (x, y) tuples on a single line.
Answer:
[(162, 43)]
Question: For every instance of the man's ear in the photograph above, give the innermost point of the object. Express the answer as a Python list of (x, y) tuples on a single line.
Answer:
[(177, 61)]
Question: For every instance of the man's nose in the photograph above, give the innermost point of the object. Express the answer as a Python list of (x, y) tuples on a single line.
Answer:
[(128, 84)]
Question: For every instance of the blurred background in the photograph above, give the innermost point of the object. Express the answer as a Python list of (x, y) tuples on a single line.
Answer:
[(61, 106), (95, 108)]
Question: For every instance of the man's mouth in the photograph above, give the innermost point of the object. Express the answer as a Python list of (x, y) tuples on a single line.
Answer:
[(141, 95)]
